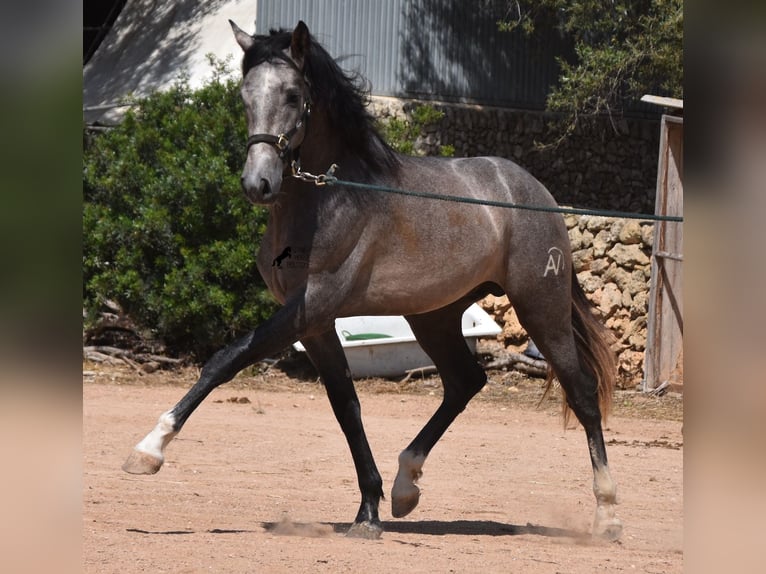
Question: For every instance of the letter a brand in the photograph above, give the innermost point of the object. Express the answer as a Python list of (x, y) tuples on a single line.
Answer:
[(555, 261)]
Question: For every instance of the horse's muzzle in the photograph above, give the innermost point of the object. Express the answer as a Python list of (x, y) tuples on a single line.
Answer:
[(262, 177), (263, 192)]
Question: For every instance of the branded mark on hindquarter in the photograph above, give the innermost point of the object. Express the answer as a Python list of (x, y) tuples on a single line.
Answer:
[(555, 261)]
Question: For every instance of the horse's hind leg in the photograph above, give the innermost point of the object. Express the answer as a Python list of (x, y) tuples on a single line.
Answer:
[(327, 355), (546, 313), (440, 335)]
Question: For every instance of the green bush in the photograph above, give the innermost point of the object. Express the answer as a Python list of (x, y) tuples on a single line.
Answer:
[(402, 135), (167, 233)]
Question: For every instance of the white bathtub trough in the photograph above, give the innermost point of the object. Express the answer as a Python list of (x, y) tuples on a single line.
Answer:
[(386, 347)]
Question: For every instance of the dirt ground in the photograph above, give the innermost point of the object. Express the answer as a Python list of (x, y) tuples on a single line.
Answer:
[(261, 480)]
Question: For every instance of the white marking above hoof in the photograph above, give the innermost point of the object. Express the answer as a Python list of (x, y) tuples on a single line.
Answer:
[(606, 525), (147, 457), (405, 494)]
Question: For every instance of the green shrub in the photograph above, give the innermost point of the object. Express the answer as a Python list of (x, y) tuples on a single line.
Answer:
[(167, 232), (402, 135)]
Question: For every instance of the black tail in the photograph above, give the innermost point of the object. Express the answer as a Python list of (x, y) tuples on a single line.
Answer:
[(594, 348)]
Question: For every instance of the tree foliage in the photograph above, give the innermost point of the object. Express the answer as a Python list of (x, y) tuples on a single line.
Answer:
[(167, 232), (402, 134), (623, 48)]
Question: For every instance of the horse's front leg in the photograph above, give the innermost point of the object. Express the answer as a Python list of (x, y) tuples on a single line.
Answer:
[(326, 353), (284, 328)]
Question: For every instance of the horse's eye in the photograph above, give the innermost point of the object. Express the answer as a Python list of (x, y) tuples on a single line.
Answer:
[(293, 98)]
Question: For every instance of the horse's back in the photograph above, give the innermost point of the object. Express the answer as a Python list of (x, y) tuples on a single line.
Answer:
[(491, 179), (488, 178)]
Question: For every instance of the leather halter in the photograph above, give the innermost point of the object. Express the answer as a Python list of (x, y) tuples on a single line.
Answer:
[(281, 142)]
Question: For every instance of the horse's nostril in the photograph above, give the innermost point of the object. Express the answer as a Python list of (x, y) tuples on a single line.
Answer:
[(264, 188)]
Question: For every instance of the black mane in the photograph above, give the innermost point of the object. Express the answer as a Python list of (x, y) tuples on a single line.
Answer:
[(344, 96)]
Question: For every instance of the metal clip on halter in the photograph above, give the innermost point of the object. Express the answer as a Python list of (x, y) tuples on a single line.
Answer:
[(318, 180), (329, 177)]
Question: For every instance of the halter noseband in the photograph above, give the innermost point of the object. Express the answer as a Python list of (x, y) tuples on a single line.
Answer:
[(281, 142)]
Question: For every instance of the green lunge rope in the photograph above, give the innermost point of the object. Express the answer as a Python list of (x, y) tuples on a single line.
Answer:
[(330, 179), (471, 200)]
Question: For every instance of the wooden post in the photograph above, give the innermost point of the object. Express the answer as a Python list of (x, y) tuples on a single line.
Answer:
[(663, 359)]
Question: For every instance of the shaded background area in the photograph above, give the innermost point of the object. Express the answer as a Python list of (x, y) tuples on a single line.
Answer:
[(453, 51), (431, 49), (97, 19), (151, 45), (426, 49)]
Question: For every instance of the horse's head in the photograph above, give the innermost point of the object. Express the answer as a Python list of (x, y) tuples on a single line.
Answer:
[(277, 104)]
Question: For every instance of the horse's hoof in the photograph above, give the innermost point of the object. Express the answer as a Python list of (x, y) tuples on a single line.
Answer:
[(405, 494), (402, 503), (142, 463), (609, 530), (366, 530)]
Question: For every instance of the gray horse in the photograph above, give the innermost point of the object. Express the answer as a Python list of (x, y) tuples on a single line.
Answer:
[(362, 252)]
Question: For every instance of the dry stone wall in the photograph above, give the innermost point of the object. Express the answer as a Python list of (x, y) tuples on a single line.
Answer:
[(612, 259)]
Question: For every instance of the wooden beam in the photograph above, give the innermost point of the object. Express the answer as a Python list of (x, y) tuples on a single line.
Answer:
[(674, 103)]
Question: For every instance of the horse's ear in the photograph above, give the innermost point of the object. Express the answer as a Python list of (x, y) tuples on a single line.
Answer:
[(300, 43), (244, 39)]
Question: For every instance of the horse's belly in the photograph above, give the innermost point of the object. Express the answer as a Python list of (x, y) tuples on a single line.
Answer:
[(417, 286)]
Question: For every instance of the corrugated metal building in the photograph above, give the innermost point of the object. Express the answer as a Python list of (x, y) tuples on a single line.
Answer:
[(429, 49)]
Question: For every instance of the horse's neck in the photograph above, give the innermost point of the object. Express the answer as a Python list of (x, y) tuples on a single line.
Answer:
[(323, 147)]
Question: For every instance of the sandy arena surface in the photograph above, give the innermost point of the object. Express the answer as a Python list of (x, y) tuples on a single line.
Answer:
[(261, 480)]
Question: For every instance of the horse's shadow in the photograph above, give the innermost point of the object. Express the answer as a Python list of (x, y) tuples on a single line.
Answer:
[(477, 528), (458, 527), (424, 527)]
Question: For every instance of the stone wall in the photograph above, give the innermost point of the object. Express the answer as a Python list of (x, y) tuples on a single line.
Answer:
[(612, 258), (602, 165)]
